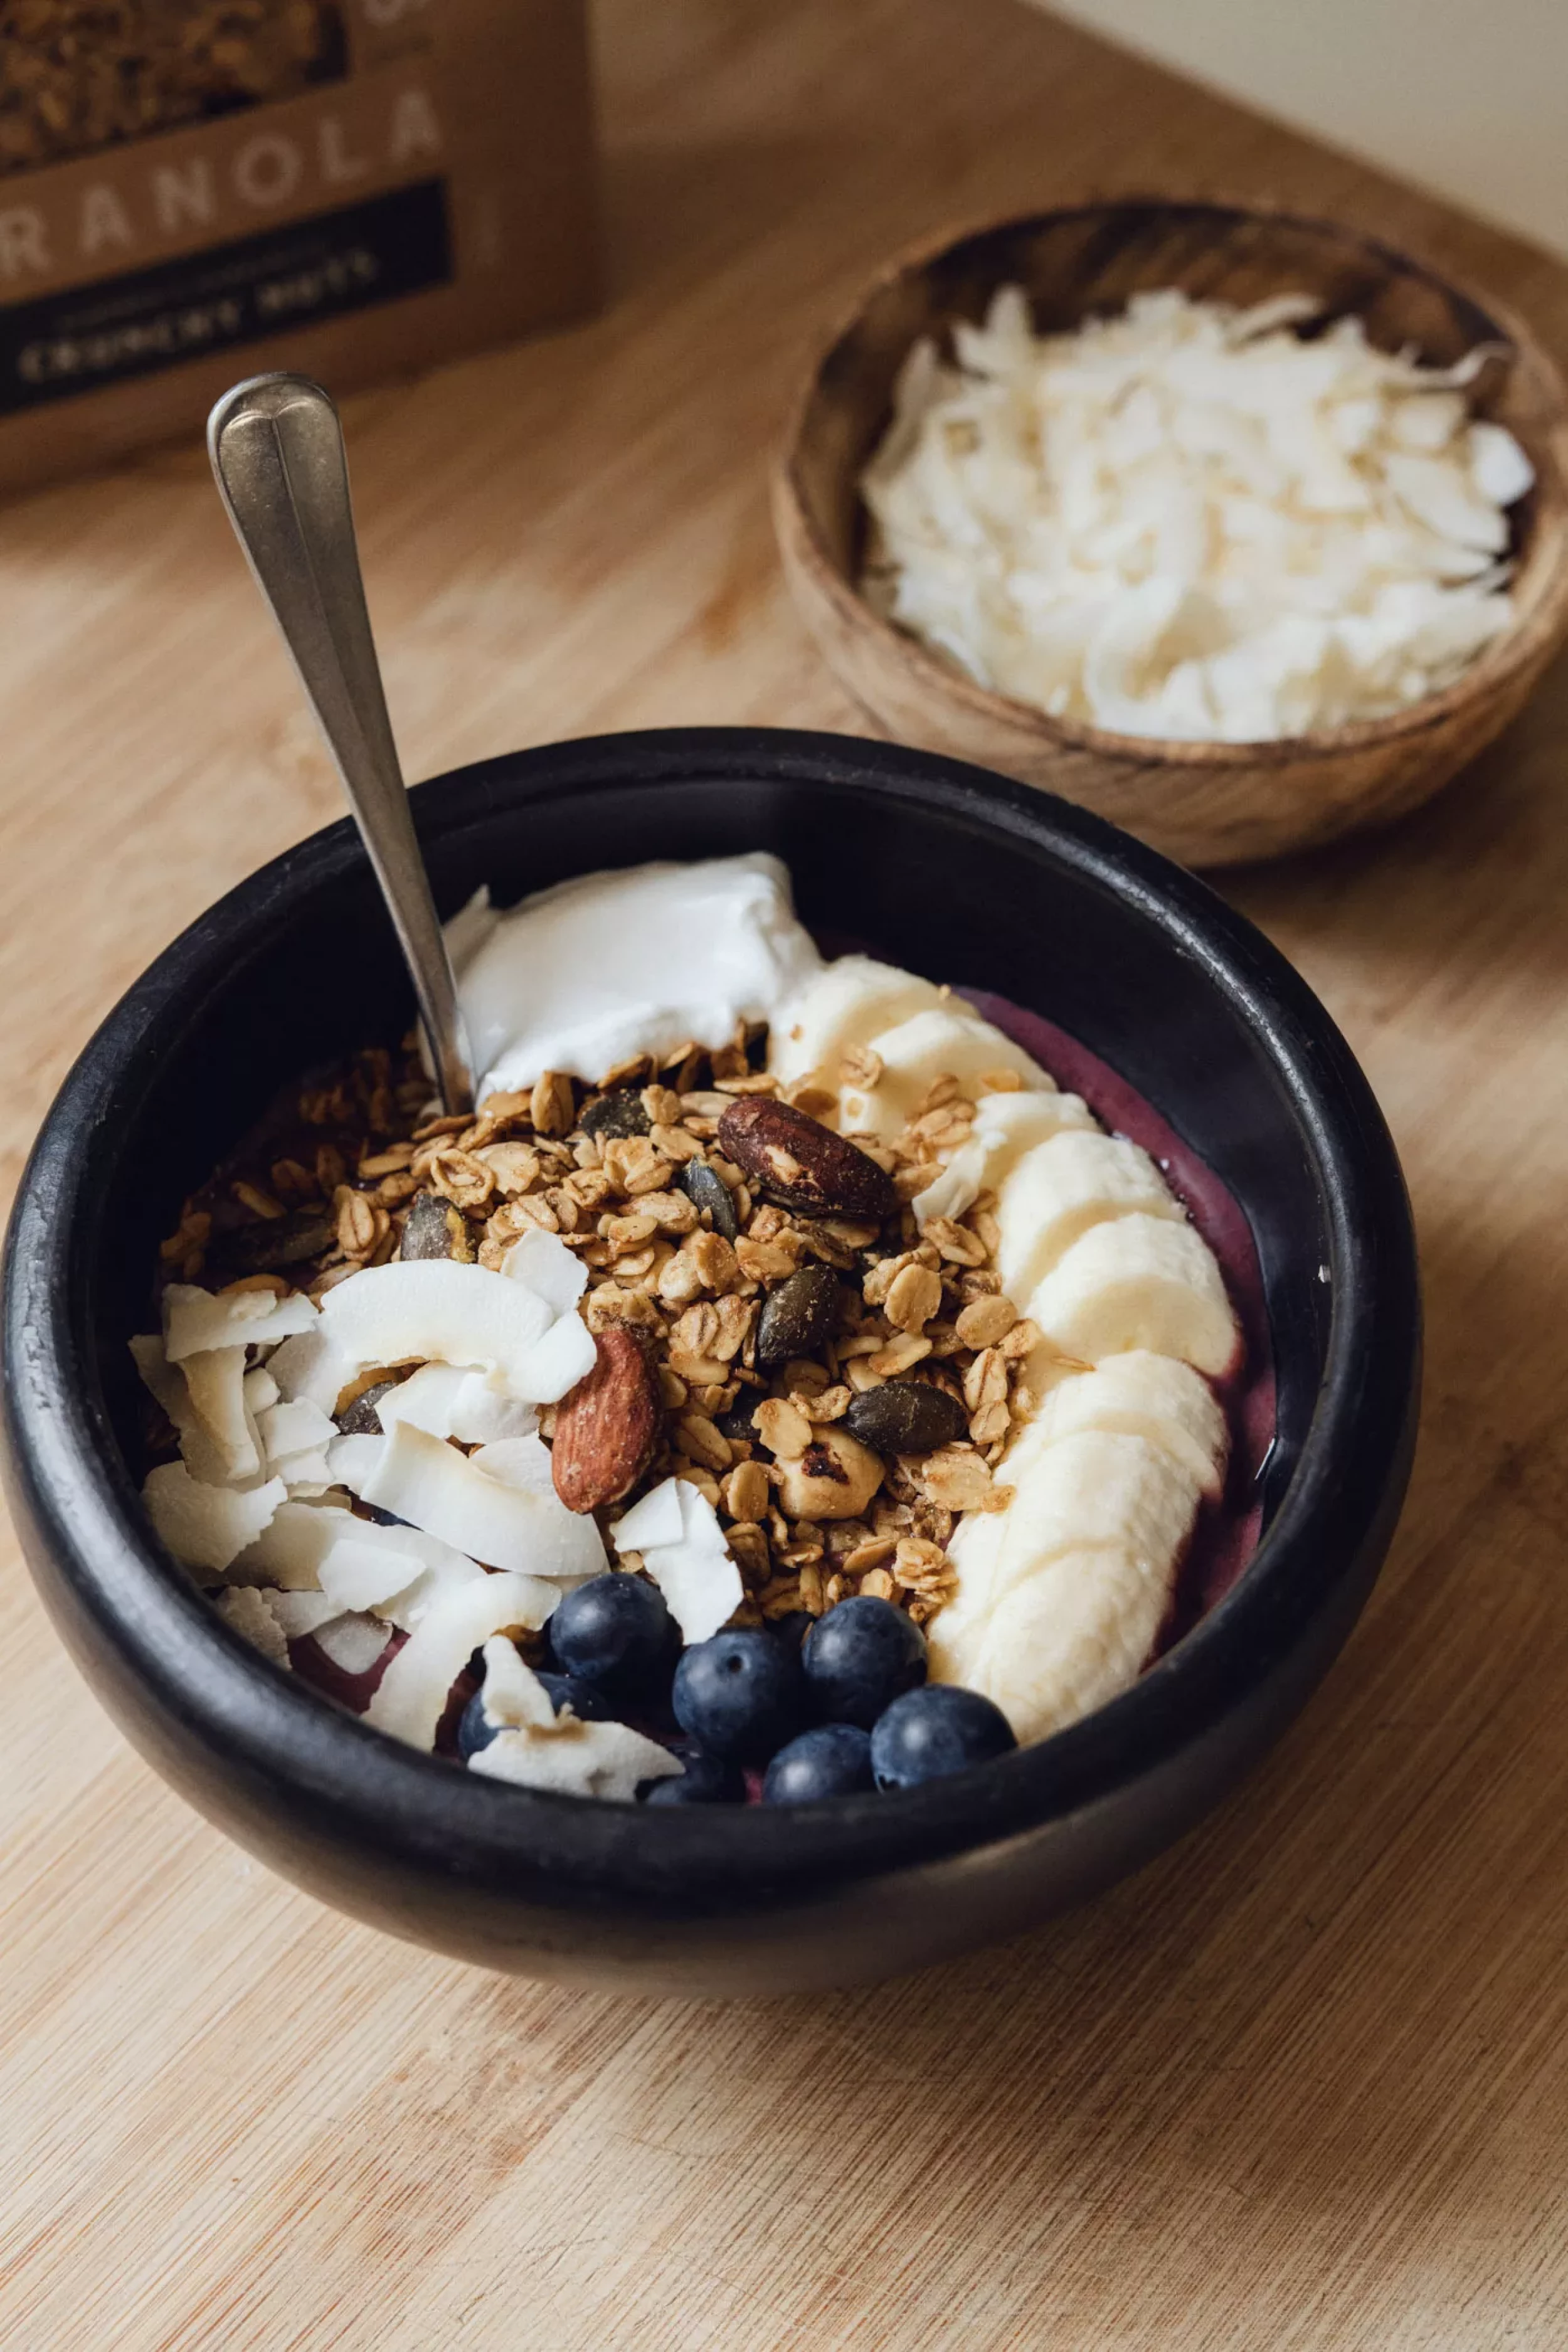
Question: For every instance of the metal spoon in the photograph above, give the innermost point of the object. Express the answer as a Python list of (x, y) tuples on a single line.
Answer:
[(277, 449)]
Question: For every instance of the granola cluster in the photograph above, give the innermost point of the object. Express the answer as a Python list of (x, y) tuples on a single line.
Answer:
[(80, 75), (683, 1247)]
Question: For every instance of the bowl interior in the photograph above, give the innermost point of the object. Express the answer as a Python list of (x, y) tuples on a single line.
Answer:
[(310, 973), (1091, 259)]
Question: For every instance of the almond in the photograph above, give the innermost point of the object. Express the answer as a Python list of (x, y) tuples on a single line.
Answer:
[(607, 1426), (798, 1161)]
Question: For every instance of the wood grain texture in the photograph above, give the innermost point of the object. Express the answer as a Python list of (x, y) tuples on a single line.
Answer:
[(1207, 803), (1300, 2087)]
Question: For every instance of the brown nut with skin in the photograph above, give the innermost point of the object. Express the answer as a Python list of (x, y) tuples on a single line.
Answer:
[(607, 1426), (834, 1478), (801, 1164)]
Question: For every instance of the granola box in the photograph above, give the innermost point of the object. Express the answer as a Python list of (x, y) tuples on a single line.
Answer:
[(193, 190)]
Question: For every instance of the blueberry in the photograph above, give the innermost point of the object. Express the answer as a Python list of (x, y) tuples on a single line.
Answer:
[(860, 1657), (615, 1632), (931, 1732), (834, 1761), (706, 1781), (474, 1731), (740, 1696)]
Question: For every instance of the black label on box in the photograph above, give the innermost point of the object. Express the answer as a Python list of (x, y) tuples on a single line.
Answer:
[(231, 294)]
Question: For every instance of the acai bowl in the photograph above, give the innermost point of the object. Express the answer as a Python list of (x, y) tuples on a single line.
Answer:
[(944, 872)]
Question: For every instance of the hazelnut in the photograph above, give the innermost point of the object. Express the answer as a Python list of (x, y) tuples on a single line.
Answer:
[(834, 1478)]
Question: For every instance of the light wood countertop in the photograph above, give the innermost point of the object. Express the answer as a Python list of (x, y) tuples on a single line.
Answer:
[(1304, 2082)]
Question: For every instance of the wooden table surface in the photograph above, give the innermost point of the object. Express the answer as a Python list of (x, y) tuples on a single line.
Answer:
[(1304, 2082)]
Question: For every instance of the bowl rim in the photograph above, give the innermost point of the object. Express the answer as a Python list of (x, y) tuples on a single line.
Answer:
[(1519, 648), (358, 1788)]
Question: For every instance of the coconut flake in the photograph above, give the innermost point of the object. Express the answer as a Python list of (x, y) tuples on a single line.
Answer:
[(205, 1460), (289, 1549), (608, 1761), (350, 1461), (306, 1475), (206, 1527), (196, 1320), (297, 1426), (1498, 467), (513, 1696), (309, 1546), (692, 1567), (520, 1462), (437, 1310), (482, 1413), (307, 1366), (656, 1521), (298, 1613), (251, 1616), (544, 1262), (358, 1574), (448, 1400), (353, 1644), (523, 1526), (412, 1695), (563, 1357), (400, 1573), (1127, 524), (215, 1382)]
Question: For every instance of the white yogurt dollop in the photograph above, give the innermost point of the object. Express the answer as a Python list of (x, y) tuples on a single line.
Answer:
[(644, 960)]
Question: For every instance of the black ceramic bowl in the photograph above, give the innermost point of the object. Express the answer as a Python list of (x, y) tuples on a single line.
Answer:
[(1027, 896)]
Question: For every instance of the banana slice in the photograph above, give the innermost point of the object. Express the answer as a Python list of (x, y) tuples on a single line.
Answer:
[(1098, 1486), (843, 1005), (1140, 1282), (1006, 1127), (1064, 1640), (1136, 1396), (975, 1552), (1098, 1524), (1095, 1489), (935, 1043), (1059, 1189)]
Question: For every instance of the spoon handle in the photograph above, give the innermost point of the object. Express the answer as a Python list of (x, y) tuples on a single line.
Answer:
[(277, 449)]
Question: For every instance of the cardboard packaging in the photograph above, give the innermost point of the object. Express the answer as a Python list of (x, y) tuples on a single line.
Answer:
[(367, 188)]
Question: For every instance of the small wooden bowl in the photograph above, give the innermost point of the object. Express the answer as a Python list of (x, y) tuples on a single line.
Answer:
[(1206, 803)]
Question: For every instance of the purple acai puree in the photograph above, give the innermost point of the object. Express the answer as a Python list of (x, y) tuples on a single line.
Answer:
[(1227, 1533)]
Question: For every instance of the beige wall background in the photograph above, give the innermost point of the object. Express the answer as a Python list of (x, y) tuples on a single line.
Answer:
[(1468, 97)]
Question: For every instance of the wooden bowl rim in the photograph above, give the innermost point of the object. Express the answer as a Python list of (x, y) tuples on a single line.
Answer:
[(1522, 644)]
